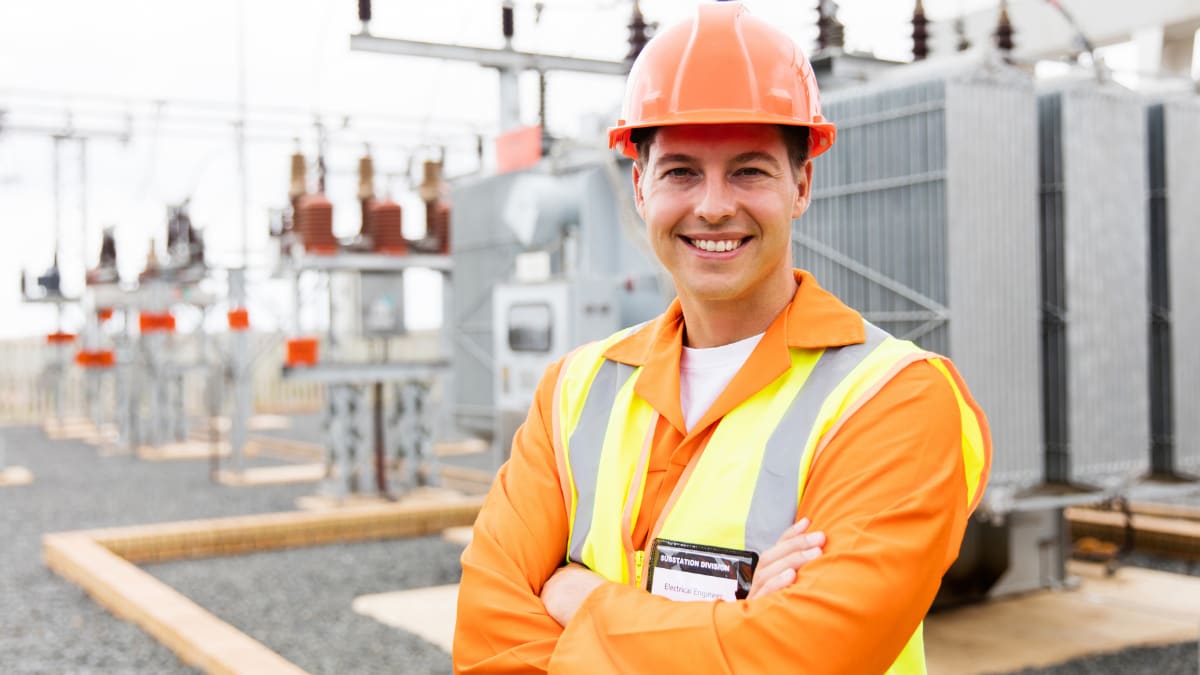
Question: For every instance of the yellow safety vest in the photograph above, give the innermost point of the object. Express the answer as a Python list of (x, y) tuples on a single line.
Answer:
[(603, 432)]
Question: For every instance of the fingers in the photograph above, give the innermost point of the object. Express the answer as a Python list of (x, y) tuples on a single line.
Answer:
[(786, 547), (793, 560), (775, 583), (778, 565), (796, 528)]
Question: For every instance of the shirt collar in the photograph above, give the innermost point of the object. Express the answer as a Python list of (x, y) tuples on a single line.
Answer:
[(814, 319)]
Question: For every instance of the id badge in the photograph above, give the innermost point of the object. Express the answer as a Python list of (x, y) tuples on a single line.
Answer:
[(683, 571)]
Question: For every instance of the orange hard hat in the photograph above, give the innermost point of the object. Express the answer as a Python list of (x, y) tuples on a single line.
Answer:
[(722, 67)]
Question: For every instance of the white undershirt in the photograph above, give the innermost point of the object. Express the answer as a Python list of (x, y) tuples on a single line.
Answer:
[(703, 374)]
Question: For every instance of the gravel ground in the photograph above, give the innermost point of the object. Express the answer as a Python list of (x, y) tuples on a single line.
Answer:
[(296, 602), (1179, 659)]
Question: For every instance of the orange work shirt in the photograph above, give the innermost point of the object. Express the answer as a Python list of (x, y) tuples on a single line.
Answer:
[(889, 492)]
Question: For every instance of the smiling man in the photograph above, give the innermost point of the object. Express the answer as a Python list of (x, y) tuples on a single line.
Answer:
[(758, 480)]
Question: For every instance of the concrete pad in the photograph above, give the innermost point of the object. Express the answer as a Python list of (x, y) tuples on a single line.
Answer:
[(328, 503), (269, 423), (255, 423), (71, 428), (15, 475), (273, 475), (471, 446), (458, 535), (417, 497), (181, 451), (1135, 607), (286, 449), (466, 479), (425, 612)]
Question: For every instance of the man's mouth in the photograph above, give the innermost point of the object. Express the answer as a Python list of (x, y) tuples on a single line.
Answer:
[(716, 245)]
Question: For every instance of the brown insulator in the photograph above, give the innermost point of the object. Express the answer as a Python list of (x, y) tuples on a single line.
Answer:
[(314, 224), (920, 32), (299, 185), (431, 187), (366, 178), (437, 226), (385, 228), (1004, 29), (831, 34), (153, 266), (638, 34)]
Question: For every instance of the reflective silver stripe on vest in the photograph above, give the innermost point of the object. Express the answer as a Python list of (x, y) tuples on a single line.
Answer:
[(776, 493), (587, 442)]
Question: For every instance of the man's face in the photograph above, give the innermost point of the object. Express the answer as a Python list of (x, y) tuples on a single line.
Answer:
[(718, 201)]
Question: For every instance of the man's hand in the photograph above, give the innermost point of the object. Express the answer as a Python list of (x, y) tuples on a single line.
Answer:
[(778, 565), (566, 590)]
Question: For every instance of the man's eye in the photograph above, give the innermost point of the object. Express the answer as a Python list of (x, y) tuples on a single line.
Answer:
[(750, 171), (678, 172)]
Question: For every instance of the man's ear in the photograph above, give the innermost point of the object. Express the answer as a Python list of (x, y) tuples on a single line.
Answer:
[(638, 200), (803, 189)]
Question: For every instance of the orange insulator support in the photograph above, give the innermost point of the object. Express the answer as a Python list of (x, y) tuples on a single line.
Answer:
[(239, 319), (314, 224), (104, 313), (384, 224), (301, 352), (100, 358), (60, 338), (156, 322)]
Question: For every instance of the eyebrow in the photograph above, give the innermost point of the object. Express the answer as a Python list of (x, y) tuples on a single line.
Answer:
[(751, 156), (756, 155), (677, 157)]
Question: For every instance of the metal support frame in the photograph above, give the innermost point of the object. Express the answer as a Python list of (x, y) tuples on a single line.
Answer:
[(381, 410), (508, 61)]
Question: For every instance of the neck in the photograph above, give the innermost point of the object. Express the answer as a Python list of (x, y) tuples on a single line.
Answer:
[(721, 322)]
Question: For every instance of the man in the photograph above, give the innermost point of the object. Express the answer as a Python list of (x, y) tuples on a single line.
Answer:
[(658, 467)]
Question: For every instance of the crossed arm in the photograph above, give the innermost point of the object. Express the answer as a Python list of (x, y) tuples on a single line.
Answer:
[(888, 493)]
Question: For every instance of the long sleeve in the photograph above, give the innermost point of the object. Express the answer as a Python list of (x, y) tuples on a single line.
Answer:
[(890, 494), (519, 540)]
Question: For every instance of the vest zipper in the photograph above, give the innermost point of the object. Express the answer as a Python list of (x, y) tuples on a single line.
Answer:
[(638, 556)]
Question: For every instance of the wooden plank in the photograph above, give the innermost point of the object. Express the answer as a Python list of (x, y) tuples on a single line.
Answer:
[(181, 451), (101, 560), (198, 637), (1153, 534), (244, 534)]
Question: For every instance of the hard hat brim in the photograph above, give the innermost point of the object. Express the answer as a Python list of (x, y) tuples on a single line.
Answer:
[(821, 137)]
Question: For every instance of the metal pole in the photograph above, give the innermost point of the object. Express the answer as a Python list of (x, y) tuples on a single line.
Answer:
[(83, 211), (57, 207), (510, 99), (381, 481), (241, 134), (60, 373)]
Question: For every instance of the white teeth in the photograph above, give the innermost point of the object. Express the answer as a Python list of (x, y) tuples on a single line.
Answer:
[(716, 246)]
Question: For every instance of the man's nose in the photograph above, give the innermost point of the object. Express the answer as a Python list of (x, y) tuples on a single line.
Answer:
[(716, 200)]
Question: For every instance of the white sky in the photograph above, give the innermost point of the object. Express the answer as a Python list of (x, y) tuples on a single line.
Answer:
[(297, 57)]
